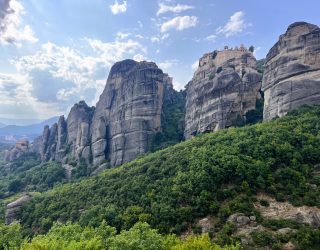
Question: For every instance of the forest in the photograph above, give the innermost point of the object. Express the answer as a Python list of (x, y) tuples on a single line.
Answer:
[(215, 174)]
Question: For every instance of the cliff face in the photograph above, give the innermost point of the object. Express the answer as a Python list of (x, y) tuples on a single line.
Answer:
[(128, 113), (292, 70), (78, 129), (223, 89), (21, 148), (66, 135), (123, 124)]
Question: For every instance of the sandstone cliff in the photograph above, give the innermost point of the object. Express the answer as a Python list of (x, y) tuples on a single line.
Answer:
[(223, 89), (128, 113), (78, 129), (124, 123), (67, 136), (292, 71), (21, 148)]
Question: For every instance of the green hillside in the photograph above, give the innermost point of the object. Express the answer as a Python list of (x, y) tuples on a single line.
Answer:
[(214, 175)]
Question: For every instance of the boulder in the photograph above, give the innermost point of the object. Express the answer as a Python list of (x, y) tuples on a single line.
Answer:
[(239, 219), (13, 208), (292, 71), (284, 210), (206, 225)]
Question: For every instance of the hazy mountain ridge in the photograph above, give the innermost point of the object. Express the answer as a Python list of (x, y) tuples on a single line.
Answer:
[(13, 133)]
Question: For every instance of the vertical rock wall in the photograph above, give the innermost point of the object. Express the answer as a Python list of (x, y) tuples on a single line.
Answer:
[(128, 113), (123, 124), (223, 89), (292, 71)]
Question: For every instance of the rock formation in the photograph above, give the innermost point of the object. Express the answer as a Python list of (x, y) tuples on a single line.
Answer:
[(223, 89), (128, 113), (284, 210), (121, 127), (13, 208), (61, 139), (21, 147), (72, 135), (78, 129), (292, 71)]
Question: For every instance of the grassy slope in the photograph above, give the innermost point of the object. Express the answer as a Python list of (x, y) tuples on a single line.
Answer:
[(216, 174)]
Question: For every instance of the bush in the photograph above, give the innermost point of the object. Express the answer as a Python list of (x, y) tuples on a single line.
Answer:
[(10, 236), (264, 203), (212, 173), (219, 70), (262, 238)]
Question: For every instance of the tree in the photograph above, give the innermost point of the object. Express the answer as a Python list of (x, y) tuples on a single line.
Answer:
[(251, 48), (10, 236), (15, 186)]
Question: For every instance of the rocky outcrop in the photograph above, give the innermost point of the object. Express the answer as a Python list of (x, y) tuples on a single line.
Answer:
[(71, 135), (292, 71), (223, 89), (13, 208), (284, 210), (78, 129), (21, 148), (124, 122), (49, 143), (128, 113), (61, 139)]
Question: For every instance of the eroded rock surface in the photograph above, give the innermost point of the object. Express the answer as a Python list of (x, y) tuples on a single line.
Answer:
[(13, 208), (128, 113), (284, 210), (21, 147), (78, 126), (223, 89), (292, 71), (122, 126)]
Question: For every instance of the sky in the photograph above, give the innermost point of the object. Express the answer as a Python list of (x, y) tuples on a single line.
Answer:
[(56, 53)]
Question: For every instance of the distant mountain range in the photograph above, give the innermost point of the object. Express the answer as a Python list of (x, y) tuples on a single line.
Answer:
[(13, 133)]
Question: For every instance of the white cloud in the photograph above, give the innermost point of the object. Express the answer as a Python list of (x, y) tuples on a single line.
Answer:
[(12, 28), (59, 76), (139, 36), (211, 38), (112, 52), (178, 85), (235, 25), (179, 23), (17, 99), (168, 64), (122, 35), (195, 65), (139, 58), (155, 39), (140, 24), (163, 8), (118, 8), (159, 38)]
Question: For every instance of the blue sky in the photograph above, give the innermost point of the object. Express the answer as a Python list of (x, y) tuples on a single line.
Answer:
[(55, 53)]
